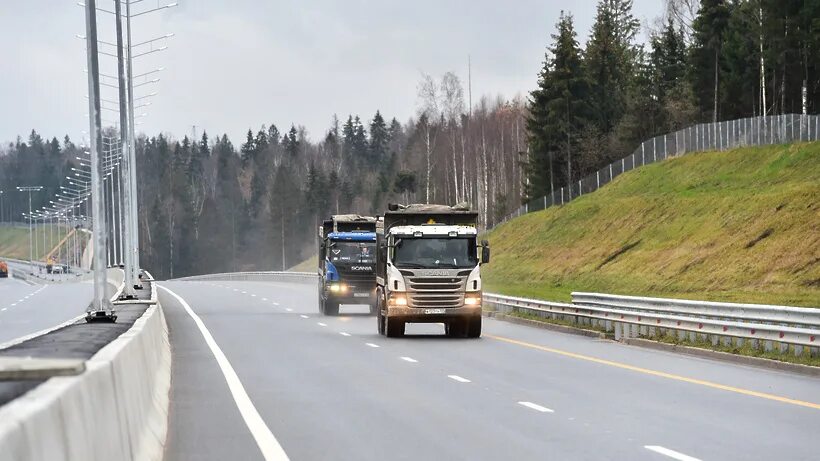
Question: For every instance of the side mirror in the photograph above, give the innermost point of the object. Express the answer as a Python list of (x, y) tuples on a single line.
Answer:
[(485, 252)]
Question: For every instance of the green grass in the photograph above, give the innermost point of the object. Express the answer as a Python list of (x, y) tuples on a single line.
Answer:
[(737, 226), (308, 265), (14, 241)]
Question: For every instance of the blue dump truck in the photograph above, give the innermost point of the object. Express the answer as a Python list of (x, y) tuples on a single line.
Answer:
[(347, 259)]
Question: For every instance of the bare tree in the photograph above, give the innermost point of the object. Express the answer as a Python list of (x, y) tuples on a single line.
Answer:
[(452, 103), (683, 13), (429, 111)]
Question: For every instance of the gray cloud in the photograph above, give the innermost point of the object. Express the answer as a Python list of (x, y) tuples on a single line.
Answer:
[(242, 63)]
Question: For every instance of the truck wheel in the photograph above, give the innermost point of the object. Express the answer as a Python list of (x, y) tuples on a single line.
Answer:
[(455, 328), (331, 307), (473, 327), (393, 328)]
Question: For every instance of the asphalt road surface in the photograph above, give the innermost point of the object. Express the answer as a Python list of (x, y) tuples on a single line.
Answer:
[(257, 370), (27, 309)]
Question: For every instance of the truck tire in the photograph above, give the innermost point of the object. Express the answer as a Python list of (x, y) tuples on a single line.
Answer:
[(473, 327), (331, 307), (455, 328), (393, 328)]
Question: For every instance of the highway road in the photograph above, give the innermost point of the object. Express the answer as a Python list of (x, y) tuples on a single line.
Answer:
[(27, 309), (257, 370)]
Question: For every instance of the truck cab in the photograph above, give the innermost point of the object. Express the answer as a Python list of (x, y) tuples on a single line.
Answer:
[(428, 269), (347, 257)]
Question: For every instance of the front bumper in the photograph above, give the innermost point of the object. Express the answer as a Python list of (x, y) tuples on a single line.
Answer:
[(431, 315)]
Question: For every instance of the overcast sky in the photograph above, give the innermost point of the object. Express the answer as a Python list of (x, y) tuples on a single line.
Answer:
[(238, 64)]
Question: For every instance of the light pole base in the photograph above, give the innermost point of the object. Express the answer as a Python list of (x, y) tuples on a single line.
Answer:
[(103, 316)]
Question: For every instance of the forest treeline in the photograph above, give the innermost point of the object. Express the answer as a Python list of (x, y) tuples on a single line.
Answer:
[(214, 204)]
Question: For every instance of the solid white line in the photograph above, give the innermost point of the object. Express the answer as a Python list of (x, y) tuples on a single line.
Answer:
[(321, 324), (270, 447), (304, 316), (670, 453), (536, 407), (458, 378), (409, 359), (344, 334), (372, 345)]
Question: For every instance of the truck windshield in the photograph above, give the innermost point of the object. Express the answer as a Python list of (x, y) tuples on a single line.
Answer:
[(435, 253), (352, 252)]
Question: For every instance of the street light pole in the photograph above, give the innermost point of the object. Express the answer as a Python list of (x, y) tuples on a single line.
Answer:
[(30, 189), (100, 308)]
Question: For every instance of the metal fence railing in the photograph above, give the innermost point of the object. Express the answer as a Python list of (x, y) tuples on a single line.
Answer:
[(753, 131), (763, 326), (259, 276)]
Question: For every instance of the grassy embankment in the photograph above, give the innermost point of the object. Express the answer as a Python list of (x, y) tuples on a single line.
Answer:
[(14, 241), (736, 226)]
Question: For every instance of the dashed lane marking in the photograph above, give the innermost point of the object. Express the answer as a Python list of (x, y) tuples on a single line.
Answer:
[(536, 407), (670, 453), (409, 359), (371, 345), (344, 334), (304, 316), (458, 378), (321, 324)]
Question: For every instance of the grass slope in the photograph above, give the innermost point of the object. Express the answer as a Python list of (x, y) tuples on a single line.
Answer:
[(308, 265), (740, 226), (14, 241)]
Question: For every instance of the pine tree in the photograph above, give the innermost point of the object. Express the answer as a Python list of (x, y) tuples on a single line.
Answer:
[(610, 59), (705, 60), (379, 140), (248, 148)]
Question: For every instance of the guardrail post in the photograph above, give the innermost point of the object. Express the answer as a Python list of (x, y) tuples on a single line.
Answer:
[(617, 331), (768, 346), (784, 348), (608, 325), (798, 350)]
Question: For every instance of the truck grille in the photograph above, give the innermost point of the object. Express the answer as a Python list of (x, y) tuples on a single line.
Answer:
[(357, 279), (436, 292)]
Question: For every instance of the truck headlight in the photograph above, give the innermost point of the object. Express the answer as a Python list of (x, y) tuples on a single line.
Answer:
[(337, 287), (398, 299), (472, 299)]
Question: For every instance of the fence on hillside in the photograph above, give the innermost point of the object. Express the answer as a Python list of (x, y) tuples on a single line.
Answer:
[(753, 131)]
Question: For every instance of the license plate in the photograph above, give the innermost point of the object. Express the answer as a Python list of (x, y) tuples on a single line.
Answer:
[(433, 311), (361, 295)]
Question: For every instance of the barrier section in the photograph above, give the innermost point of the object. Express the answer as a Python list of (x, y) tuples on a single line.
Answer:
[(116, 410)]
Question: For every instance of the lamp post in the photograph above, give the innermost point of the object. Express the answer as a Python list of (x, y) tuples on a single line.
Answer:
[(30, 189)]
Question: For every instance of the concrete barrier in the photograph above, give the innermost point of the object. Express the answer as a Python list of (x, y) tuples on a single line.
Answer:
[(116, 410)]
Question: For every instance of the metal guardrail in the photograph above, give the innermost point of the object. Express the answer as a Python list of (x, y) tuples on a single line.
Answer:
[(259, 276), (630, 317)]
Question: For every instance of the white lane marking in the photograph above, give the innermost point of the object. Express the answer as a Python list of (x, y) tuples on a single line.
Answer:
[(13, 304), (372, 345), (409, 359), (244, 292), (458, 378), (270, 447), (304, 316), (253, 295), (264, 299), (670, 453), (321, 324), (289, 309), (536, 407), (344, 334), (236, 289), (3, 308), (275, 303)]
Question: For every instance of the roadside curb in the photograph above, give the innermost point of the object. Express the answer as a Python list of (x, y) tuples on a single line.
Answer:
[(758, 362), (545, 325)]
